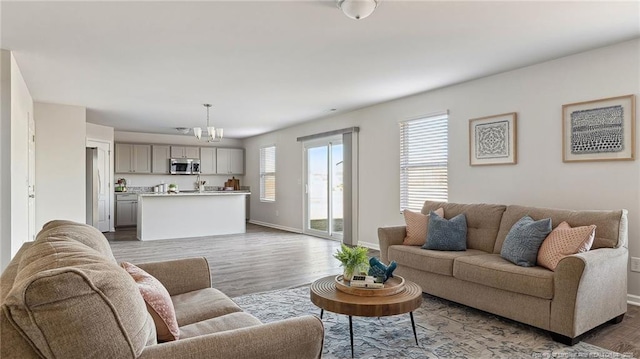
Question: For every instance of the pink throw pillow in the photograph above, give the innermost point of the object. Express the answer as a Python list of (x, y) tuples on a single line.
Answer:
[(564, 241), (417, 227), (158, 301)]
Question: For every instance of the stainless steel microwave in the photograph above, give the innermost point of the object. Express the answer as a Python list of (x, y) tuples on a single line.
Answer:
[(184, 166)]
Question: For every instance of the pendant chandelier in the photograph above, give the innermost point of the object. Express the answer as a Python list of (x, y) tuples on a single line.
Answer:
[(213, 134), (357, 9)]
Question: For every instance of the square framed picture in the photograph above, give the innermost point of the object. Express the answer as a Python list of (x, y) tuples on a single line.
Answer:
[(492, 140), (599, 130)]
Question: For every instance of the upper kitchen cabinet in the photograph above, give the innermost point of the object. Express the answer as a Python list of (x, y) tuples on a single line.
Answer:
[(230, 161), (208, 160), (160, 158), (132, 158), (185, 152)]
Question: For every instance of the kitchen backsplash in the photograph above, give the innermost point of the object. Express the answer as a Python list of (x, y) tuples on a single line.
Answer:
[(146, 189), (183, 182)]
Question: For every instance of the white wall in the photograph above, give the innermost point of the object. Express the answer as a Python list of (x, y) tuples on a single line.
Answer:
[(184, 182), (60, 162), (540, 178), (100, 133), (17, 107)]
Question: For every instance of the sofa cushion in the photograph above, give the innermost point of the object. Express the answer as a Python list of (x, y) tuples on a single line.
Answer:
[(70, 301), (222, 323), (483, 221), (610, 223), (80, 232), (564, 241), (201, 305), (446, 235), (158, 301), (496, 272), (440, 262), (417, 227), (524, 239)]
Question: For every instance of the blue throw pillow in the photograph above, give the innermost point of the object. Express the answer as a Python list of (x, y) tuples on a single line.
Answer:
[(447, 235), (524, 240)]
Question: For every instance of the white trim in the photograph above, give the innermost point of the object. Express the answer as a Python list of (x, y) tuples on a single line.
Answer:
[(112, 196), (375, 246), (633, 299), (276, 226)]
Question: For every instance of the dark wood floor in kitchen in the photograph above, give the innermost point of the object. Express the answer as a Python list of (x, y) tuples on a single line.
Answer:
[(266, 259)]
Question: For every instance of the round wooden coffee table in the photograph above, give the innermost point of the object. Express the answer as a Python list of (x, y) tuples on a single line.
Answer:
[(325, 295)]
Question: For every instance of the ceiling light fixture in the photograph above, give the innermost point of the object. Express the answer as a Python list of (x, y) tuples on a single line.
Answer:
[(357, 9), (213, 134)]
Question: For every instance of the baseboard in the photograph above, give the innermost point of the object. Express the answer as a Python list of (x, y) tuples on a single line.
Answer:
[(276, 226), (375, 246), (633, 299)]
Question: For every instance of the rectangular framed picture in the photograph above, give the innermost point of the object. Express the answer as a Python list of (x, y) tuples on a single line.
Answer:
[(492, 140), (599, 130)]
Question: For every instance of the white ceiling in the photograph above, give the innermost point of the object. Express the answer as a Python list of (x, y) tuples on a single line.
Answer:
[(149, 66)]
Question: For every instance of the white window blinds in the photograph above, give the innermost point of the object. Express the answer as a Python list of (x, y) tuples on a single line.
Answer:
[(423, 161), (268, 173)]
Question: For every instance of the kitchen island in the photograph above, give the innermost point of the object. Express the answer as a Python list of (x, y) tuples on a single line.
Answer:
[(190, 214)]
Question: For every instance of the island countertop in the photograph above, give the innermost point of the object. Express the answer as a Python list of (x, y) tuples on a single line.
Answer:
[(206, 193)]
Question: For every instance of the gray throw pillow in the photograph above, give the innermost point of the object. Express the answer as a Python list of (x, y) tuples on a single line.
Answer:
[(524, 240), (447, 235)]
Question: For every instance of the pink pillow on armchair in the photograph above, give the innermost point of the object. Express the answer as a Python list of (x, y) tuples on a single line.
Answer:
[(158, 301)]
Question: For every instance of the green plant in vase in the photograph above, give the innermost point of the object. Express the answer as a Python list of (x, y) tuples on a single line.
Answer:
[(354, 260)]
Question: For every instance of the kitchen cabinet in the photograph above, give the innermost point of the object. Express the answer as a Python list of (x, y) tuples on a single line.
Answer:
[(132, 158), (126, 210), (208, 160), (160, 158), (185, 152), (230, 161)]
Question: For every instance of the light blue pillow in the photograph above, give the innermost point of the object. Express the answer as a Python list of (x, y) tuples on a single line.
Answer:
[(524, 240), (447, 235)]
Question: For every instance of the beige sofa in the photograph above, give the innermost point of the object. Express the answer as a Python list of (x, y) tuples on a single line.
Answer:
[(586, 289), (64, 296)]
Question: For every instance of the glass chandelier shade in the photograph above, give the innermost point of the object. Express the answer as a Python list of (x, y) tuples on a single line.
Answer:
[(213, 134)]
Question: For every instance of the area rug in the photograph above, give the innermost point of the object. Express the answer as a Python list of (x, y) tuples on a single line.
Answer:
[(445, 330)]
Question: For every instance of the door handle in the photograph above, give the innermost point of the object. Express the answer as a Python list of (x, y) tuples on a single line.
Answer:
[(32, 196)]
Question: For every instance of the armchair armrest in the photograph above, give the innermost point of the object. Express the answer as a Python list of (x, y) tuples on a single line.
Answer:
[(182, 275), (293, 338), (388, 236), (590, 289)]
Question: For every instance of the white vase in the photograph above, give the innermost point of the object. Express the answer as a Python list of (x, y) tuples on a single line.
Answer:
[(347, 274)]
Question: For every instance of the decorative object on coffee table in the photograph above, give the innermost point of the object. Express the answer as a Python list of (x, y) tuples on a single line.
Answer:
[(326, 296), (492, 140), (354, 260), (379, 269), (599, 130)]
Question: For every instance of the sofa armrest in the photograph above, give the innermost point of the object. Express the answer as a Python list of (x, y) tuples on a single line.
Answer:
[(182, 275), (388, 236), (590, 289), (293, 338)]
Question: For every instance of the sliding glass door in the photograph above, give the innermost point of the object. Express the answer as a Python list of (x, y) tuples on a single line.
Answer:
[(324, 199)]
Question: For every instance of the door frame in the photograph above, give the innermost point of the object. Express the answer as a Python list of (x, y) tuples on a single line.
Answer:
[(91, 142)]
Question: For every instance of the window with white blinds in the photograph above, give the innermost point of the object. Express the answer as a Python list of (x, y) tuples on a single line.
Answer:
[(423, 161), (268, 174)]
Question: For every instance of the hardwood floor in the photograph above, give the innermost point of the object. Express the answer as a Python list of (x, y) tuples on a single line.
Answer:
[(266, 259)]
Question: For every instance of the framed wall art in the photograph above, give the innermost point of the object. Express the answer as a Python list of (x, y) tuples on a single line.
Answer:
[(599, 130), (492, 140)]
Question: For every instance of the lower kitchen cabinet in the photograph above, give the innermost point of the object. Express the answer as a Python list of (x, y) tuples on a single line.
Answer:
[(126, 210)]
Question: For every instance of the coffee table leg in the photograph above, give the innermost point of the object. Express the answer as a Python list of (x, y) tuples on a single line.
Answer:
[(321, 313), (351, 335), (413, 325)]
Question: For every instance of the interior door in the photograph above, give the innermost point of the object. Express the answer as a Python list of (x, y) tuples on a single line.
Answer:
[(324, 188), (32, 178), (104, 184)]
